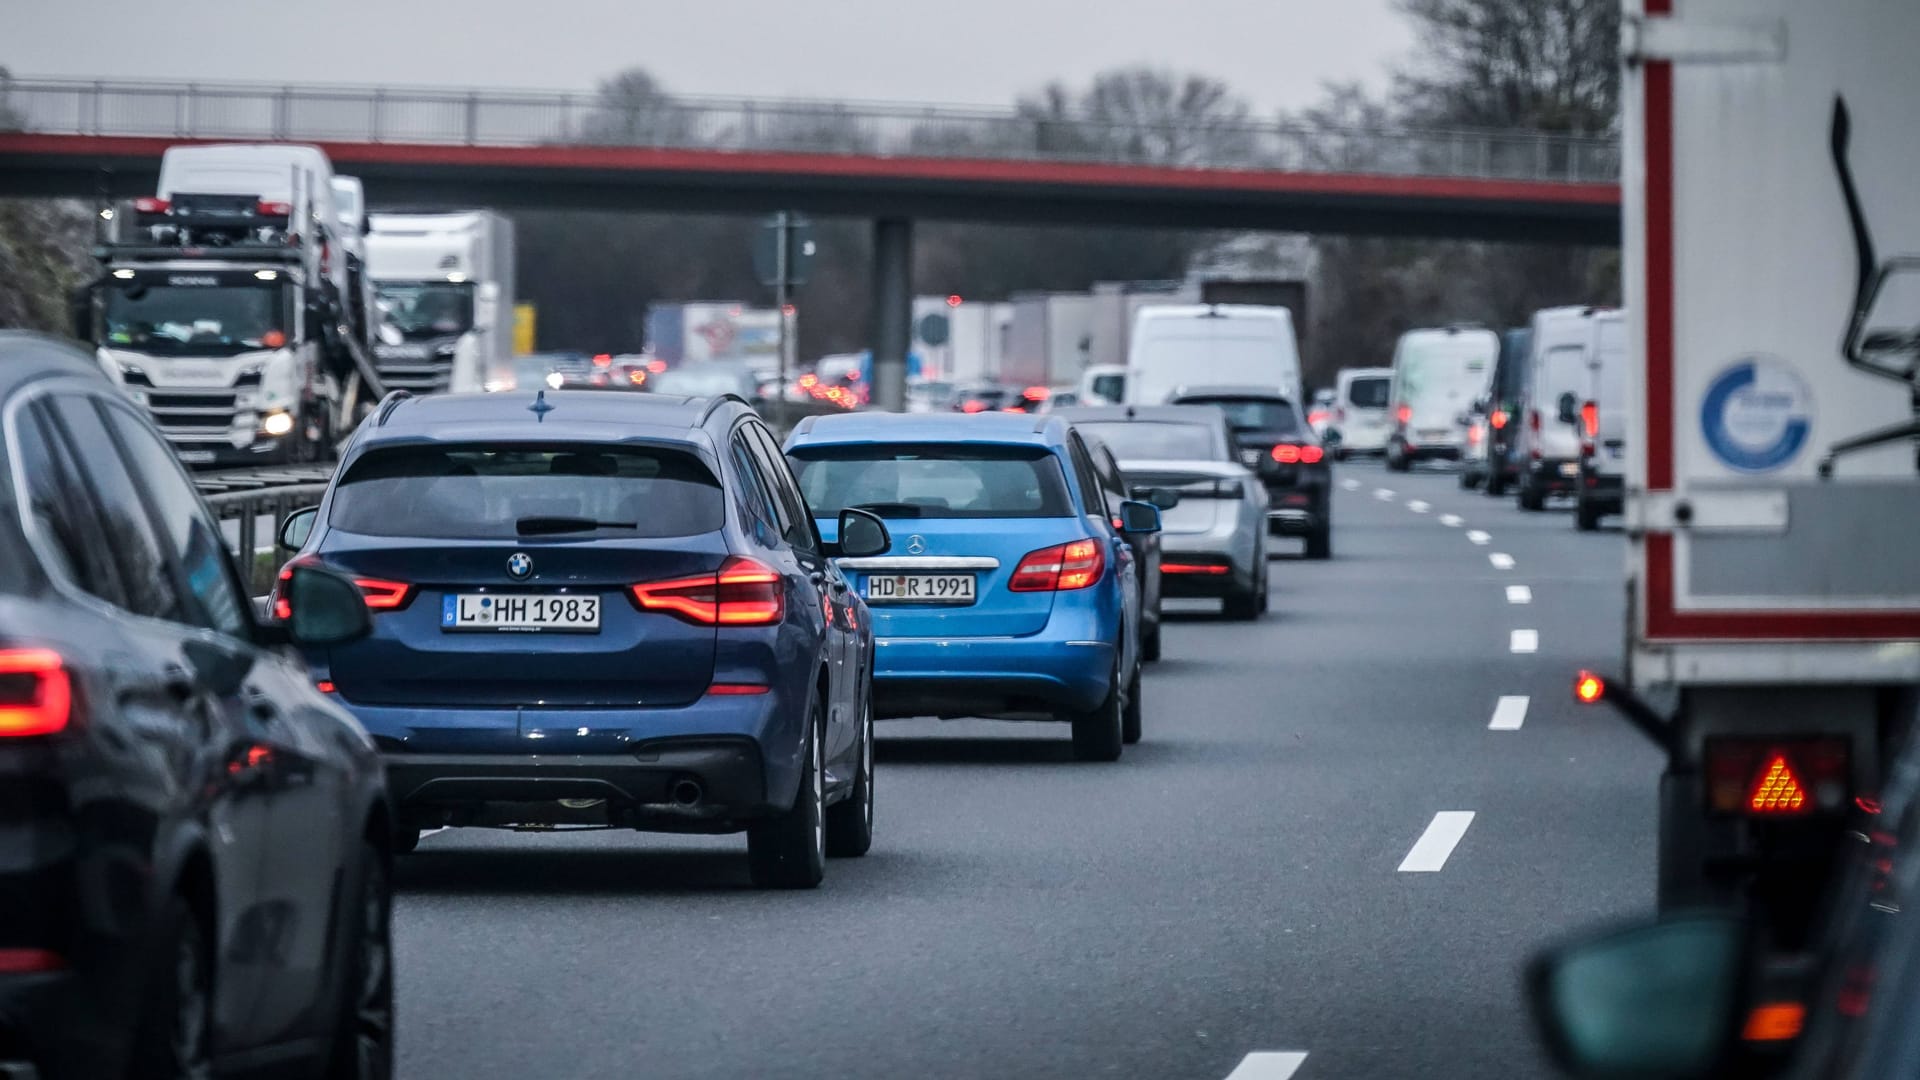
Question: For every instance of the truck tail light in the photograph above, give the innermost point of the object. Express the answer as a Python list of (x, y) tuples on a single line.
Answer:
[(1498, 419), (36, 692), (1785, 778), (149, 204), (743, 592), (1590, 419), (270, 208), (1060, 568)]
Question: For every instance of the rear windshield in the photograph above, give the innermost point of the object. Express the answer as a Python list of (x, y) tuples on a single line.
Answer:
[(1254, 414), (1369, 393), (935, 480), (493, 493), (1155, 440)]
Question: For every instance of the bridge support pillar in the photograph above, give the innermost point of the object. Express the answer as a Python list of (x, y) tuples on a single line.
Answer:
[(892, 311)]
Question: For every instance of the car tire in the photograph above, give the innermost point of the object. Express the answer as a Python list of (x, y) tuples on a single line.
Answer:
[(1397, 457), (1242, 605), (363, 1031), (789, 850), (1320, 542), (1531, 498), (1496, 484), (1585, 517), (406, 840), (1097, 733), (174, 1036), (1130, 716), (850, 821), (1469, 479), (1150, 644), (1266, 583)]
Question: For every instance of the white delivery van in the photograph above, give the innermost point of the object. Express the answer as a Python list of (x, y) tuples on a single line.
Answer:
[(1361, 419), (1558, 381), (1438, 374), (1102, 384), (299, 176), (1211, 345), (1604, 417)]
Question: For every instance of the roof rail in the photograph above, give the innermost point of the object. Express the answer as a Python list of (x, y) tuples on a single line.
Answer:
[(805, 425), (387, 405), (714, 404), (1040, 423)]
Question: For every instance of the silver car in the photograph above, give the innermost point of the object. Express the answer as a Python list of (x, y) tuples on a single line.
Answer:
[(1213, 537)]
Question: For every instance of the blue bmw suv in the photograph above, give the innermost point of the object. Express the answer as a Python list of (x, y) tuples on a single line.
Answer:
[(1010, 591), (601, 610)]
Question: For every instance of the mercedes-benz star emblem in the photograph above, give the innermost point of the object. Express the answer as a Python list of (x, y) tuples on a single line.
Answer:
[(520, 564), (916, 544)]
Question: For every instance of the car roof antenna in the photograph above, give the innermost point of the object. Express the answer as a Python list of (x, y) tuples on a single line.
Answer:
[(540, 408)]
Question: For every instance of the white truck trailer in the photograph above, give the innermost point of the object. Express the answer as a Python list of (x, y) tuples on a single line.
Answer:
[(1772, 489), (443, 299)]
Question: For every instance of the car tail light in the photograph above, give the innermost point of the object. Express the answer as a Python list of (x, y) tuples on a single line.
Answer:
[(1206, 569), (1060, 568), (744, 592), (28, 961), (736, 689), (1290, 454), (36, 692), (973, 406), (148, 204), (1788, 778), (1774, 1021), (1590, 419), (1036, 393), (382, 595), (1404, 414), (267, 208), (1498, 419), (326, 686)]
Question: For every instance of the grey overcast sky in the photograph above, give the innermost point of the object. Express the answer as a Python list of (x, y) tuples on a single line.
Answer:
[(1276, 53)]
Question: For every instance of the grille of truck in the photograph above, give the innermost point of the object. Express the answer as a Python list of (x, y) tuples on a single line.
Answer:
[(192, 415), (418, 369)]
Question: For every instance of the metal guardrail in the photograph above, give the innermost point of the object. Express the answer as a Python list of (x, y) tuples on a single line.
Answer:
[(244, 496), (377, 114)]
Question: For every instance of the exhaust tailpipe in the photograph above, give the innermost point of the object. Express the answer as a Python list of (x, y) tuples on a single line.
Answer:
[(686, 792)]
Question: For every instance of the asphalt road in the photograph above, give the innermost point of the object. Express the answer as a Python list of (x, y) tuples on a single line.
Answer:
[(1279, 869)]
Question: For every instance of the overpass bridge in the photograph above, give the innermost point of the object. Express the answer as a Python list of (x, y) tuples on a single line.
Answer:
[(890, 163)]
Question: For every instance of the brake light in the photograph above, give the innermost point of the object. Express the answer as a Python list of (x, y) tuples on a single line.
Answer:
[(148, 204), (273, 209), (1404, 414), (735, 689), (36, 692), (1286, 454), (1060, 568), (1590, 418), (384, 595), (973, 406), (1498, 419), (325, 686), (1774, 1021), (1036, 393), (1193, 568), (27, 961), (744, 592), (1777, 779)]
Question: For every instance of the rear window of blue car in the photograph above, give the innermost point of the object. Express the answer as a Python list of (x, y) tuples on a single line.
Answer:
[(933, 480), (460, 492)]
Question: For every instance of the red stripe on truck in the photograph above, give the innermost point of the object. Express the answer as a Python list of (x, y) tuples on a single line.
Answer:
[(1664, 623)]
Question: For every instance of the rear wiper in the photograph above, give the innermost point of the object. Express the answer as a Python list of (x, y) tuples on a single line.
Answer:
[(543, 526), (891, 509)]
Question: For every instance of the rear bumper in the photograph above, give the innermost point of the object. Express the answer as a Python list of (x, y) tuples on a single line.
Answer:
[(1607, 492), (1552, 474), (1297, 511), (1044, 674), (646, 787)]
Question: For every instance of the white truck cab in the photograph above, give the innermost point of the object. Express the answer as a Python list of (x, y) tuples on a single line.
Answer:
[(1213, 344), (443, 299)]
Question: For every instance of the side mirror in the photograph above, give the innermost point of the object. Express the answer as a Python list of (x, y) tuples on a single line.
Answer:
[(862, 533), (1569, 409), (327, 608), (1657, 999), (1161, 498), (1139, 517), (295, 530)]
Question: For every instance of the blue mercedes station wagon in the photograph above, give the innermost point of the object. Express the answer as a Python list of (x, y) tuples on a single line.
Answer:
[(601, 611), (1008, 591)]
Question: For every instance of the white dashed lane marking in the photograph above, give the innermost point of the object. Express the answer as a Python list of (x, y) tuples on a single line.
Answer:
[(1451, 521), (1419, 506), (1268, 1065), (1509, 713), (1477, 536), (1350, 484), (1431, 850), (1524, 641), (1501, 560), (1519, 594), (1383, 494)]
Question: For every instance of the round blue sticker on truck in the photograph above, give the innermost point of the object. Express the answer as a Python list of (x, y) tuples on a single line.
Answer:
[(1757, 414)]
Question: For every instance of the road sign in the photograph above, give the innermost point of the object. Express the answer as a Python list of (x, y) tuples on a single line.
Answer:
[(800, 250)]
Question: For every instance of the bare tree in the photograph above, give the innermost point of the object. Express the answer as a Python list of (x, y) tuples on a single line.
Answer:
[(1145, 115), (1542, 65), (633, 109)]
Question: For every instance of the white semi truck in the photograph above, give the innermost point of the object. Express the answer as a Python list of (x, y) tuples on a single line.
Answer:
[(1772, 491), (443, 299), (231, 314)]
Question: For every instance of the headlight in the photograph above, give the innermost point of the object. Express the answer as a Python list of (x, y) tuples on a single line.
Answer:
[(556, 380), (495, 386), (277, 423)]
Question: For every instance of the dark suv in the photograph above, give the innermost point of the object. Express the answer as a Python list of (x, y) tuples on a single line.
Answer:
[(195, 867), (1274, 441), (601, 610)]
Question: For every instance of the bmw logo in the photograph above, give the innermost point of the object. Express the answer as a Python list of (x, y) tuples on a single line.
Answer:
[(520, 565), (916, 544)]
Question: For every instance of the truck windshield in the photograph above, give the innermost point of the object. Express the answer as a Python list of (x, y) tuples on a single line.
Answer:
[(418, 310), (172, 320)]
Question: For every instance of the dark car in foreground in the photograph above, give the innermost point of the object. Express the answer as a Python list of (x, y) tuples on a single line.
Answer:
[(601, 611), (1275, 442), (195, 867)]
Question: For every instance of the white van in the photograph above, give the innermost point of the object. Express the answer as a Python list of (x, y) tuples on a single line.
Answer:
[(1558, 381), (1438, 374), (1211, 345), (300, 176), (1102, 384), (1361, 420), (1604, 419), (350, 209)]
